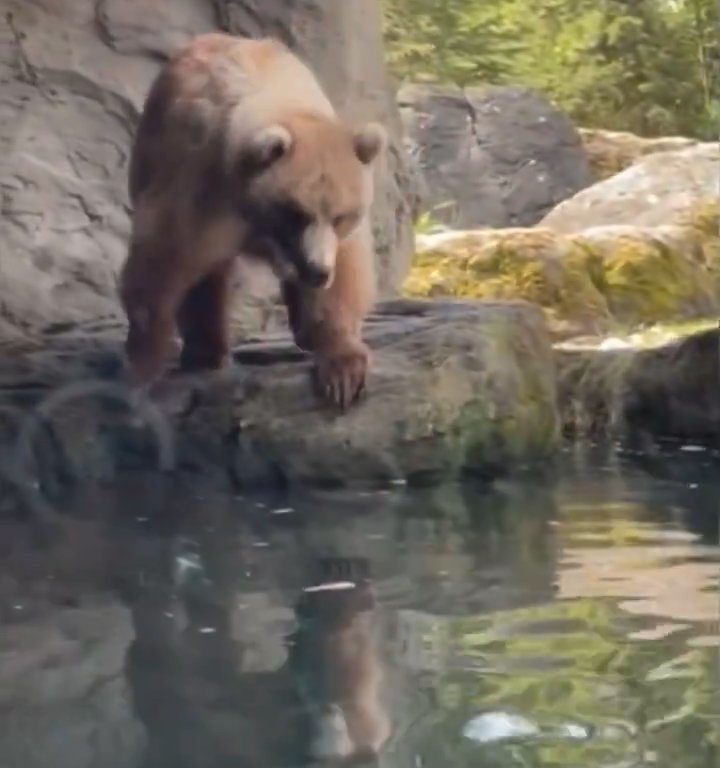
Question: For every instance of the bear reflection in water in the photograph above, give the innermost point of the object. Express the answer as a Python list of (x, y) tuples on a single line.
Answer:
[(340, 677), (322, 705)]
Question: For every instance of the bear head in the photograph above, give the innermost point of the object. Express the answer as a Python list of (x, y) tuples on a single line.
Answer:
[(302, 186)]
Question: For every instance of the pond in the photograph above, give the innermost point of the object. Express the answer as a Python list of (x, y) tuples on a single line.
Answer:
[(569, 621)]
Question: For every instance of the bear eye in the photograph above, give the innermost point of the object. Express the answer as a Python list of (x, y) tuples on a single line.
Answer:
[(292, 215), (344, 221)]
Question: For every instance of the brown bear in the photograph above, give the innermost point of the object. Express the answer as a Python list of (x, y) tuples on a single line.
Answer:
[(239, 155)]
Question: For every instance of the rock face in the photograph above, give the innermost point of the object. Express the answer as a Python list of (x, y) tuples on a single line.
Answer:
[(670, 391), (591, 281), (495, 157), (456, 387), (74, 74), (613, 151), (660, 189)]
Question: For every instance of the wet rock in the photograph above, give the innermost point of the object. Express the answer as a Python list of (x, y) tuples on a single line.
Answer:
[(613, 151), (74, 74), (491, 157), (455, 387), (660, 189), (670, 391)]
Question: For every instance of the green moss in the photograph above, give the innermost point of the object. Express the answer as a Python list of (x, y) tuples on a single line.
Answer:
[(646, 280), (531, 265), (590, 282), (702, 224), (704, 217), (523, 421)]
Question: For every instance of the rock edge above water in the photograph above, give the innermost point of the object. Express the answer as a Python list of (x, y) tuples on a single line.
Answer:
[(456, 387)]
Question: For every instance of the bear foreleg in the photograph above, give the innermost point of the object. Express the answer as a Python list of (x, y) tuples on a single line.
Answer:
[(328, 322)]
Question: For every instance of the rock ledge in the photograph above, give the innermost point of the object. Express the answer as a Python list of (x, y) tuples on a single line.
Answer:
[(456, 387)]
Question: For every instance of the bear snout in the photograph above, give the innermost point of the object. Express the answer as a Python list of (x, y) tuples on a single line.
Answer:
[(314, 277)]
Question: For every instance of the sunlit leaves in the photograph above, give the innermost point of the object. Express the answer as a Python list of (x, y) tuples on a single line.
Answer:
[(645, 66)]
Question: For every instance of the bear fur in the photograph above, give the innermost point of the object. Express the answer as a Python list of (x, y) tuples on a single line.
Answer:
[(239, 155)]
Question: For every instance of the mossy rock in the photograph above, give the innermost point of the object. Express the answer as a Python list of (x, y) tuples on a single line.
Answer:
[(528, 264), (650, 275), (598, 280), (455, 388)]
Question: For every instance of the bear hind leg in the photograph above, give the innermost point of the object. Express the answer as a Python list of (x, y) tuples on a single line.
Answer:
[(203, 321), (150, 300)]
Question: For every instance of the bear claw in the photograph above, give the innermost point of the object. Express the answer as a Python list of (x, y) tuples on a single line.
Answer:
[(341, 375)]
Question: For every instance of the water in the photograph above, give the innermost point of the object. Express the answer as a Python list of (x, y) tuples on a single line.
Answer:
[(571, 623)]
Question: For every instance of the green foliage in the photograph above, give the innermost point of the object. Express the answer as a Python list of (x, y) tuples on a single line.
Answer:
[(434, 41), (647, 66)]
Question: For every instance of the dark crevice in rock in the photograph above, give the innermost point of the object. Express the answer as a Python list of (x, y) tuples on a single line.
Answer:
[(27, 71), (101, 24)]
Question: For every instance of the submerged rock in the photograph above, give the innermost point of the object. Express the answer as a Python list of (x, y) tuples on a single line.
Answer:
[(492, 727), (592, 281), (455, 387)]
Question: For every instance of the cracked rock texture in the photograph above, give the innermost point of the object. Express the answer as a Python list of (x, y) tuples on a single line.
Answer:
[(73, 77), (491, 157)]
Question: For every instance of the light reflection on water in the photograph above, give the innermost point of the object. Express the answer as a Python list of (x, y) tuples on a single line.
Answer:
[(561, 624)]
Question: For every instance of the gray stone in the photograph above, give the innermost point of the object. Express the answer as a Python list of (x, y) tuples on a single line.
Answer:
[(73, 76), (658, 189), (491, 157), (455, 387)]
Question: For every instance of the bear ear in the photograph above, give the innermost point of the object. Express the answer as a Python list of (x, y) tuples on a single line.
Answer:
[(268, 145), (369, 141)]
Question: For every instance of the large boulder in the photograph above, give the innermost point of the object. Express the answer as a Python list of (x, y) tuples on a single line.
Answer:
[(660, 189), (491, 157), (596, 280), (456, 387), (74, 74)]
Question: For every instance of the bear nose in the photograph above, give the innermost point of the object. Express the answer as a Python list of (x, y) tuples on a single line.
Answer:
[(314, 276)]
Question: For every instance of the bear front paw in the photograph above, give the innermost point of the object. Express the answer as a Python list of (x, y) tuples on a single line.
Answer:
[(341, 372)]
